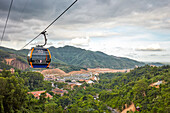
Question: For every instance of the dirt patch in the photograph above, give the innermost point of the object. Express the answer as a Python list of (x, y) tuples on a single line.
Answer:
[(78, 72), (82, 71), (17, 64), (8, 61), (107, 70), (130, 108), (53, 71)]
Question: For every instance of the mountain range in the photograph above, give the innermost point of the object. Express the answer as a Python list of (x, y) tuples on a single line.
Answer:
[(72, 56), (90, 59)]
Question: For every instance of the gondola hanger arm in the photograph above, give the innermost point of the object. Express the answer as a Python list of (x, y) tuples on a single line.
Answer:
[(43, 33)]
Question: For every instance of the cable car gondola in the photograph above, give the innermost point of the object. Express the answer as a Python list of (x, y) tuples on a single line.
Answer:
[(39, 57)]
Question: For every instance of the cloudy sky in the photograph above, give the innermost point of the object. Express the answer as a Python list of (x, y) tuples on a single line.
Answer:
[(137, 29)]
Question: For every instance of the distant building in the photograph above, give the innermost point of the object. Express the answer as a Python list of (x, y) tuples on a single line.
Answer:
[(60, 80), (38, 93), (95, 78), (50, 77), (89, 81), (78, 84), (72, 85), (73, 81), (59, 91), (156, 84), (81, 80)]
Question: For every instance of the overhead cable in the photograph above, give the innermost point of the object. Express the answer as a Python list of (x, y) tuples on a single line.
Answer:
[(6, 21), (52, 23)]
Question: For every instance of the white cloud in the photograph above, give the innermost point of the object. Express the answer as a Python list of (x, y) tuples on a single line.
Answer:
[(41, 43), (80, 41), (152, 47), (76, 42)]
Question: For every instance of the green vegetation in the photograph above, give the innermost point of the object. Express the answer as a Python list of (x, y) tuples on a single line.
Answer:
[(35, 81), (70, 68), (89, 59), (114, 90), (21, 59), (13, 93), (5, 66), (60, 84), (134, 87), (3, 55)]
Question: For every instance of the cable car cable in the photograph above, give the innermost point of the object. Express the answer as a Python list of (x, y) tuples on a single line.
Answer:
[(6, 21), (51, 23)]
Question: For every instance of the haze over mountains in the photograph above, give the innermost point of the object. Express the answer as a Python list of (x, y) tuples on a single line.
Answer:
[(69, 55)]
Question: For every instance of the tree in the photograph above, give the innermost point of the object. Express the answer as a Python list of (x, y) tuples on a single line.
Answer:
[(74, 109), (42, 99), (12, 94), (51, 108), (59, 110), (140, 87), (35, 81), (64, 101)]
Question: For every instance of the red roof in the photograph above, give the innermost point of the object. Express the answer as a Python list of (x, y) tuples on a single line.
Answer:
[(38, 93), (59, 91)]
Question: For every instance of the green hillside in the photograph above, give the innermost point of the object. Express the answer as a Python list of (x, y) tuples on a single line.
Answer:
[(78, 57), (6, 53), (81, 57), (134, 87)]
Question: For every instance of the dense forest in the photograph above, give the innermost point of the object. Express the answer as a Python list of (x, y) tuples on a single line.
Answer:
[(134, 87), (114, 90)]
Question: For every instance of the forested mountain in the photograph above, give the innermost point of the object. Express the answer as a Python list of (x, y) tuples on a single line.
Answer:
[(68, 55), (86, 58), (115, 90)]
